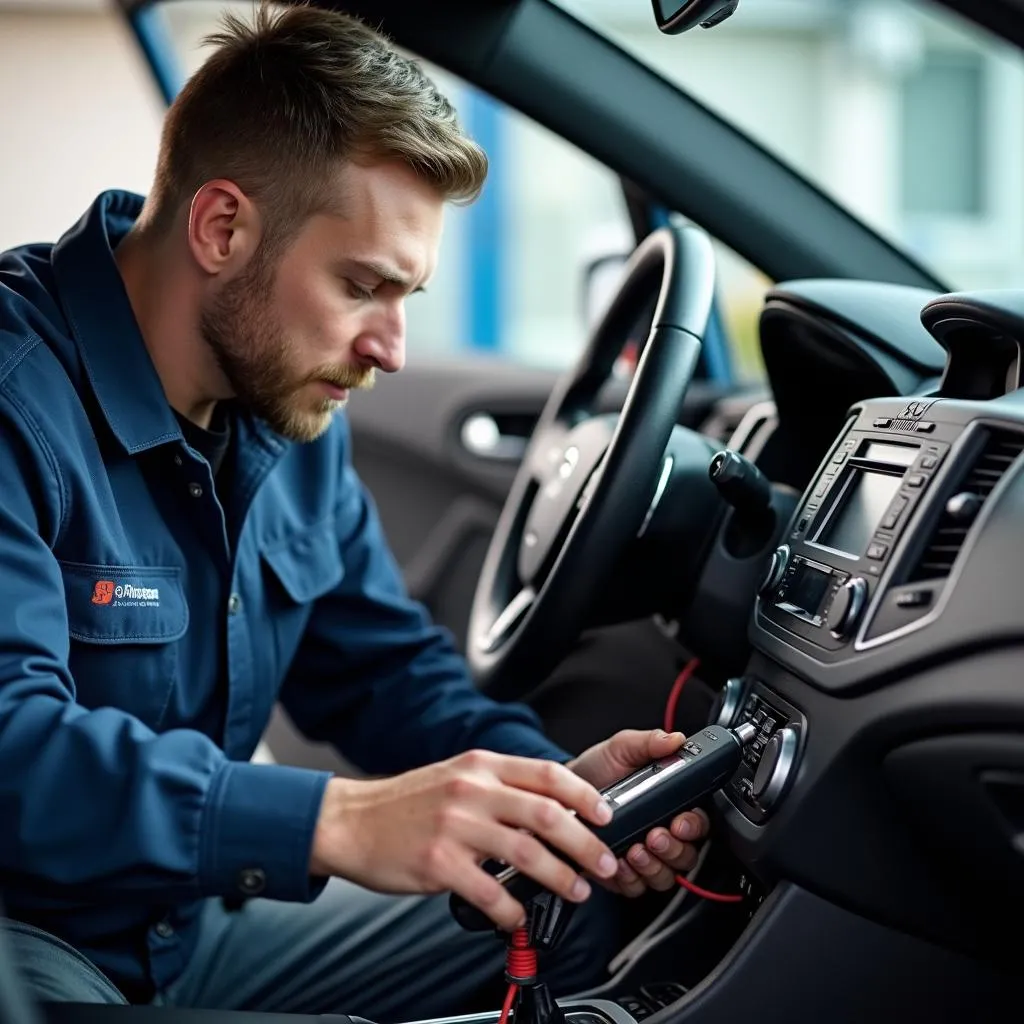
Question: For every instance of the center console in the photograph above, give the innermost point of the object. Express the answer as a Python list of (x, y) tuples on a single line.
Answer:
[(824, 577)]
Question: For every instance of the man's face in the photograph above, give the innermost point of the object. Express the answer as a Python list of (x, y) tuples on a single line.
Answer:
[(292, 338)]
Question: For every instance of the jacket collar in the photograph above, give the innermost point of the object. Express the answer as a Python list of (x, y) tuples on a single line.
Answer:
[(96, 304)]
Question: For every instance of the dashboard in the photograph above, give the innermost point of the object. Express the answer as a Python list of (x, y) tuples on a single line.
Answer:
[(886, 678)]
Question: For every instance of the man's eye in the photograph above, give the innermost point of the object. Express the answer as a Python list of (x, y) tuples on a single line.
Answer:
[(359, 291)]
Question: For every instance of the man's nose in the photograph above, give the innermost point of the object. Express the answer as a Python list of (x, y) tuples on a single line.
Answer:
[(384, 349)]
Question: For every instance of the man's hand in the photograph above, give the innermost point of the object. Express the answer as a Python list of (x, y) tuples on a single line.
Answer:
[(667, 851), (427, 831)]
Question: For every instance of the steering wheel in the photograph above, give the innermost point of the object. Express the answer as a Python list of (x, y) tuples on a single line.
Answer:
[(588, 483)]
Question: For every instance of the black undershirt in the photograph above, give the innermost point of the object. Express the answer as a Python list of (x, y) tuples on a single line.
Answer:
[(214, 444)]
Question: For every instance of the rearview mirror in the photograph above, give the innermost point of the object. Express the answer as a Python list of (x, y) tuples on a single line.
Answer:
[(675, 16)]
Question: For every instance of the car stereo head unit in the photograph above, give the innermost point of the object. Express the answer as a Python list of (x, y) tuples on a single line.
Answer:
[(822, 578)]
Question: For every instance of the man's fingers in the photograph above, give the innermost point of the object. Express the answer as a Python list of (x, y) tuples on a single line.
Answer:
[(633, 748), (690, 825), (674, 853), (629, 882), (549, 778), (655, 874), (546, 818), (488, 895), (530, 856)]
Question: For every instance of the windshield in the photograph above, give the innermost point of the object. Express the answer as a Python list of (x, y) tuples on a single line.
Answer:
[(908, 115)]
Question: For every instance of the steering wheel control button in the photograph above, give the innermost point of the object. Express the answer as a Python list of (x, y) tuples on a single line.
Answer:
[(252, 881), (692, 748), (775, 768), (847, 607)]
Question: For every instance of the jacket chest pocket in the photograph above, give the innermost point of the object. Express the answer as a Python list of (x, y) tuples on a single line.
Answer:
[(124, 624), (297, 572)]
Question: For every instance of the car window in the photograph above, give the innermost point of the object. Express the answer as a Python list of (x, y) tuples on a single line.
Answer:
[(910, 116)]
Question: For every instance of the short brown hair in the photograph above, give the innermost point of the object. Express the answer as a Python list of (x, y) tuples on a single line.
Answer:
[(280, 102)]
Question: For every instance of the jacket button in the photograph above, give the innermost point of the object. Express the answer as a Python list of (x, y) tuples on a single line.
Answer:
[(177, 460), (164, 929), (195, 490), (252, 881), (234, 604)]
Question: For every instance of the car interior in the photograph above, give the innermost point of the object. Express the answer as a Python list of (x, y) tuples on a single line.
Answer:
[(839, 548)]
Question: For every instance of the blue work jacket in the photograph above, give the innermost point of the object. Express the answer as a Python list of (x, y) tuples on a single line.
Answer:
[(147, 627)]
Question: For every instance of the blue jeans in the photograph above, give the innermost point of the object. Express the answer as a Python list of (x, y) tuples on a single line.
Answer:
[(386, 958)]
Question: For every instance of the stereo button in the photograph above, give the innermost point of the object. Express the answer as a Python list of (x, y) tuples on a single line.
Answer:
[(845, 610), (877, 550), (775, 769)]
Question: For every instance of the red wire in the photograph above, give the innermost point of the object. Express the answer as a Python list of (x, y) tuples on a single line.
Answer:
[(510, 998), (707, 894), (677, 688), (670, 717)]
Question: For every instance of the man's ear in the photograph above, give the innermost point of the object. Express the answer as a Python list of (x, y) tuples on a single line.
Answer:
[(224, 227)]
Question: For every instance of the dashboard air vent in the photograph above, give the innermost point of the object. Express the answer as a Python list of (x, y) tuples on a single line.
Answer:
[(1000, 450)]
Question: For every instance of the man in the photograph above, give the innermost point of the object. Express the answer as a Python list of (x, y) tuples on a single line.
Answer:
[(183, 541)]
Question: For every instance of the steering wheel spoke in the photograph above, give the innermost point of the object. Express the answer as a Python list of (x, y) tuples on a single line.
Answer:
[(507, 620)]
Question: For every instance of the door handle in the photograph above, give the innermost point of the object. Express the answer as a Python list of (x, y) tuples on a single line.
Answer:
[(482, 436)]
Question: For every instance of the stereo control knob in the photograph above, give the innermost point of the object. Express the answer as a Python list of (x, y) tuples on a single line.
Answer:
[(847, 608), (727, 703), (775, 768), (776, 570)]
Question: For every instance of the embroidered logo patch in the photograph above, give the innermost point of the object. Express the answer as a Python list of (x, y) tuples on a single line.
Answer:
[(125, 595)]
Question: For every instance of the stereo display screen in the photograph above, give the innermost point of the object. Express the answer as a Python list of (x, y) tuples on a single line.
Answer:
[(858, 512)]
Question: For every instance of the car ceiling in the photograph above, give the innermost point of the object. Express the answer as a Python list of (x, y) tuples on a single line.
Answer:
[(1004, 17)]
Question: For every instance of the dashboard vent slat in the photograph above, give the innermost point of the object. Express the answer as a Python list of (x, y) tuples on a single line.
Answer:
[(1000, 451)]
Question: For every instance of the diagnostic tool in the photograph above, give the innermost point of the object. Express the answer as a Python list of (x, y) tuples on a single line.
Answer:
[(649, 797)]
